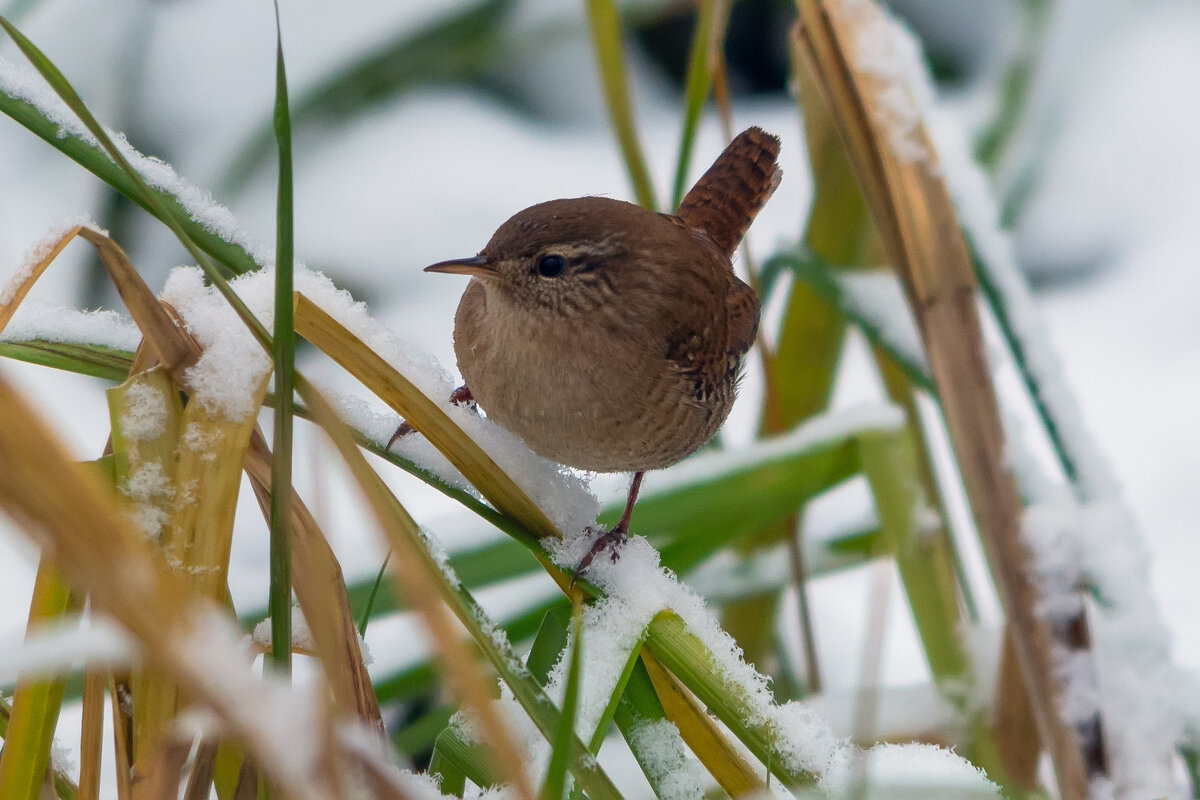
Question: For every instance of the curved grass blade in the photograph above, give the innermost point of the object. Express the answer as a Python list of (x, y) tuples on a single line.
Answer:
[(426, 583), (824, 280), (87, 155), (398, 392), (63, 88), (376, 585)]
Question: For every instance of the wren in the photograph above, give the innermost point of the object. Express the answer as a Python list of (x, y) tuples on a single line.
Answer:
[(610, 337)]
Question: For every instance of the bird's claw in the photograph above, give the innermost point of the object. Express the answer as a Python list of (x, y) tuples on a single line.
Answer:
[(613, 538), (460, 397)]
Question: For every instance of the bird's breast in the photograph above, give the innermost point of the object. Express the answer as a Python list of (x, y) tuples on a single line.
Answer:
[(593, 396)]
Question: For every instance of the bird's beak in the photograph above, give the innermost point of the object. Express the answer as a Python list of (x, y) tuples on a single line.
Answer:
[(476, 265)]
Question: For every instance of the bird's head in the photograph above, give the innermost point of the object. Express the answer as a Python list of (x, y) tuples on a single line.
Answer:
[(563, 257)]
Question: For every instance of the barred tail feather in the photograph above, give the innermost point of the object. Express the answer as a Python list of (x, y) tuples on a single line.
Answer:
[(727, 197)]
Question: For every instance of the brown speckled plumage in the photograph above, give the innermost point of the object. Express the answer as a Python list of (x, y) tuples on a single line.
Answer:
[(628, 359)]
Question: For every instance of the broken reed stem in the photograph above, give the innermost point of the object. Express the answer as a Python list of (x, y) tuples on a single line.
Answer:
[(916, 220)]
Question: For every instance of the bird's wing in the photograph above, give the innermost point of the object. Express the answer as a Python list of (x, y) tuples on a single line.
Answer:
[(727, 197), (741, 313)]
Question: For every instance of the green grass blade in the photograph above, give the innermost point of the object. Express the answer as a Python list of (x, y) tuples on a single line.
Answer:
[(822, 279), (705, 41), (555, 785), (549, 643), (605, 27), (923, 560), (369, 606), (469, 759), (284, 356), (95, 360), (59, 83), (990, 282), (235, 257), (453, 780), (29, 729), (639, 704)]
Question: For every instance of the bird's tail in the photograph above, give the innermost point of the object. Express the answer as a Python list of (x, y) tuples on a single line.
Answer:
[(727, 197)]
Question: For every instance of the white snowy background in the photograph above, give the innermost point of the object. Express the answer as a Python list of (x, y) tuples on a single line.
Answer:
[(1110, 233)]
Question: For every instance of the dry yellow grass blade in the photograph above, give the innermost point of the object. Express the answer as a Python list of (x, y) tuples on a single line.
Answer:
[(20, 289), (145, 412), (157, 324), (160, 774), (321, 593), (91, 735), (208, 473), (422, 413), (897, 168), (75, 519), (412, 566), (723, 761), (198, 540), (206, 476)]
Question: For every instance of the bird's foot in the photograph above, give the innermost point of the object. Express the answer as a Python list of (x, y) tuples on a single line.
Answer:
[(609, 539), (460, 397)]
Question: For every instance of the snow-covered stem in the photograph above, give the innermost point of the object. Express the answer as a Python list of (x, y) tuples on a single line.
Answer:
[(31, 106), (863, 63)]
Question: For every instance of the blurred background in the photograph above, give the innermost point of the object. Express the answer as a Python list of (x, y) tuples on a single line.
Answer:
[(421, 126)]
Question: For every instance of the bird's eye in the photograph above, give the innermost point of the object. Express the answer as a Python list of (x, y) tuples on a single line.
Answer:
[(551, 266)]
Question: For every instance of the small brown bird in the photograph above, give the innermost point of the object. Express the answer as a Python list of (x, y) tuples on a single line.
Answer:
[(610, 337)]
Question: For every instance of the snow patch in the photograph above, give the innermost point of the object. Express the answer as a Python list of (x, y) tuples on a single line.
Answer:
[(46, 322), (661, 752), (42, 249)]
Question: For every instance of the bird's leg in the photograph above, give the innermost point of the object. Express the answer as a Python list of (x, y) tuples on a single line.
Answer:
[(615, 537), (460, 397)]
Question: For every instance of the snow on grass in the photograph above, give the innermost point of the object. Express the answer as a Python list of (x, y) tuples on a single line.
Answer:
[(302, 638), (636, 589), (64, 644), (24, 84), (889, 54), (282, 724), (149, 488), (361, 742), (145, 413), (878, 298), (817, 431), (661, 752), (1082, 536), (887, 767), (46, 322), (41, 250)]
